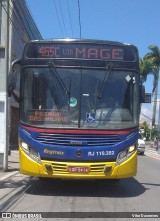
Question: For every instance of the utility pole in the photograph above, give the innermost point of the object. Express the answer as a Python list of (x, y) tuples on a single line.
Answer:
[(4, 64), (158, 130), (5, 161)]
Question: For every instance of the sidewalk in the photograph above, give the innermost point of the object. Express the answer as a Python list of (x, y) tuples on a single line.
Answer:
[(12, 183), (13, 165)]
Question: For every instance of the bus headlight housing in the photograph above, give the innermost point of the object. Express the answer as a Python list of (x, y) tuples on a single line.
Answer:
[(125, 154), (31, 152)]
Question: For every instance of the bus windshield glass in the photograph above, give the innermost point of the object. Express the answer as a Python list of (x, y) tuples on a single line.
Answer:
[(82, 98)]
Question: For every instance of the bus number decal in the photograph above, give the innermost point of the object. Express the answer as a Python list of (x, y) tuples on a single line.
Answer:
[(101, 153)]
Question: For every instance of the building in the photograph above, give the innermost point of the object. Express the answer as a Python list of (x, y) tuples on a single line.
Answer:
[(16, 28)]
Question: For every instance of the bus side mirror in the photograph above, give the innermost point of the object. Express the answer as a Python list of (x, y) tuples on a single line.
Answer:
[(142, 94), (13, 88), (148, 97)]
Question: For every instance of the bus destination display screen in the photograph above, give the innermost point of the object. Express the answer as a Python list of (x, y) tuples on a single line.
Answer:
[(75, 51)]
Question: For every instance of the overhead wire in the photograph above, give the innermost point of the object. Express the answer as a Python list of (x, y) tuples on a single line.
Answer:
[(146, 116), (17, 15), (62, 17), (79, 13), (58, 18), (29, 21), (17, 12), (11, 21), (70, 18), (14, 15)]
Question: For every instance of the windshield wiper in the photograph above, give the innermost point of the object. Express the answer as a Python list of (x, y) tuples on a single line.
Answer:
[(109, 68), (56, 75)]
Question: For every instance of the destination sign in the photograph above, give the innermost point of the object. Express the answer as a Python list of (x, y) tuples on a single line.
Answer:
[(75, 51), (48, 116)]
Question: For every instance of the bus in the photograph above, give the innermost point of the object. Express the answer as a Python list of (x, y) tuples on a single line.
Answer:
[(79, 107)]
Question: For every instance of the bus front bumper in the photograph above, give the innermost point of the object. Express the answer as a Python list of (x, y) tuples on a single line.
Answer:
[(78, 170)]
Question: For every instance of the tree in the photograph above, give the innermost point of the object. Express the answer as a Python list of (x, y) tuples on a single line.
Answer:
[(153, 59), (145, 68)]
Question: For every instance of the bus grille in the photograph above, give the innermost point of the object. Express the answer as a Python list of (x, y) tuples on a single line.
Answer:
[(78, 140), (61, 168)]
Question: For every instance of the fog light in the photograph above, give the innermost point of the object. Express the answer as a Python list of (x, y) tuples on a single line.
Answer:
[(49, 168), (107, 169)]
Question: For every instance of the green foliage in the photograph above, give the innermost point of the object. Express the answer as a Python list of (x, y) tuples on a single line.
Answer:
[(149, 134), (150, 64), (154, 133)]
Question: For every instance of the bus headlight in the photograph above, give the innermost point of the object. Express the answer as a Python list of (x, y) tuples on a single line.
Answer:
[(31, 152), (24, 146), (125, 154)]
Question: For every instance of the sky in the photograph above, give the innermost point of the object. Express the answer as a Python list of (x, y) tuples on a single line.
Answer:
[(130, 21)]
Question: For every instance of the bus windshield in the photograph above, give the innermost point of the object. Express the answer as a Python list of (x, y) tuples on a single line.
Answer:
[(81, 98)]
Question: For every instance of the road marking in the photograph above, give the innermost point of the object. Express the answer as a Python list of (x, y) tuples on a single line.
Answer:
[(152, 154)]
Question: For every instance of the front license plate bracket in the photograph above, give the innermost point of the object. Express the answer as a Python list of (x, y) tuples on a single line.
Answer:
[(78, 169)]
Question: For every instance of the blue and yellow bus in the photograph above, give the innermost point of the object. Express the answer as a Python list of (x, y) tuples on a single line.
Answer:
[(79, 109)]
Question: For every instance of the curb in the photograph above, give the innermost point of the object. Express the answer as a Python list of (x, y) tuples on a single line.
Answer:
[(8, 175), (14, 195)]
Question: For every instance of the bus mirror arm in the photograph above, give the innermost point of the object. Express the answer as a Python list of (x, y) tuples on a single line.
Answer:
[(12, 85), (17, 61), (11, 92)]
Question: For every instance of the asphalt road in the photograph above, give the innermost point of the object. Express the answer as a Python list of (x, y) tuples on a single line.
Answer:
[(137, 196)]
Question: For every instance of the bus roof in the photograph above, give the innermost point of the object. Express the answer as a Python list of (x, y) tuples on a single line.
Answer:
[(74, 40)]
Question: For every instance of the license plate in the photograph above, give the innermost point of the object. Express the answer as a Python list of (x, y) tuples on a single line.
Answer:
[(78, 169)]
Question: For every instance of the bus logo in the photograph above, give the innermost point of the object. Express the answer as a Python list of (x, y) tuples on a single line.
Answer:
[(76, 142), (78, 153)]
